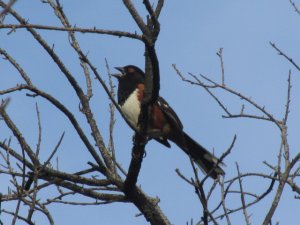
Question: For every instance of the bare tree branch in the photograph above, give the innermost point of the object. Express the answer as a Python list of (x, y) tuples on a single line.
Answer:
[(18, 135), (159, 7), (135, 15), (220, 55), (152, 14), (18, 217), (242, 196), (93, 30), (6, 9), (288, 100), (295, 7), (104, 181), (284, 55)]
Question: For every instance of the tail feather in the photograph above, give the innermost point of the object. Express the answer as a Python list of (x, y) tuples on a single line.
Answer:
[(206, 161)]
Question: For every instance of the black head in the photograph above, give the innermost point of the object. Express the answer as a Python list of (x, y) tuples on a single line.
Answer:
[(130, 73), (129, 79)]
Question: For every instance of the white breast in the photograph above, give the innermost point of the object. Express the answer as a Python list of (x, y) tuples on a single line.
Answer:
[(131, 109)]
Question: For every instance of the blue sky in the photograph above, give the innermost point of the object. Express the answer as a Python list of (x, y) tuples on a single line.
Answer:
[(191, 34)]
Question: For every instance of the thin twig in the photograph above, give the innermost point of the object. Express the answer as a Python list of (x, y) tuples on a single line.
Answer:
[(220, 160), (15, 182), (221, 182), (61, 107), (229, 115), (18, 135), (111, 146), (18, 217), (36, 166), (288, 100), (3, 104), (159, 7), (202, 196), (183, 177), (284, 55), (220, 55), (58, 9), (54, 150), (6, 9), (16, 65), (204, 86), (259, 198), (138, 19), (242, 196), (151, 13), (295, 7)]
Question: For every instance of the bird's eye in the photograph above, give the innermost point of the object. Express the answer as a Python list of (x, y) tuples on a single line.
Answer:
[(130, 70)]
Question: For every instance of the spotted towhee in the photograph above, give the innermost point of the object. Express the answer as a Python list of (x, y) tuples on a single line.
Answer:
[(163, 123)]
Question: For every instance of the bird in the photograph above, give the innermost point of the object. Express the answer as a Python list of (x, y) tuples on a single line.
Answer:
[(163, 124)]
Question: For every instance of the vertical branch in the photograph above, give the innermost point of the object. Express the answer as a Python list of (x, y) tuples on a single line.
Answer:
[(159, 6), (152, 14), (242, 196), (36, 165), (220, 55), (285, 146), (15, 182), (150, 33), (152, 80), (111, 147), (201, 195), (137, 155), (223, 193), (151, 92), (284, 124), (199, 189), (275, 202), (1, 223), (4, 103), (288, 100), (282, 177)]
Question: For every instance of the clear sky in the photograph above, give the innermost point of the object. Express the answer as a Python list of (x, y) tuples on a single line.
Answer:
[(191, 34)]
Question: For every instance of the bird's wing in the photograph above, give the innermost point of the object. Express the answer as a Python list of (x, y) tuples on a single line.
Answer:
[(169, 112)]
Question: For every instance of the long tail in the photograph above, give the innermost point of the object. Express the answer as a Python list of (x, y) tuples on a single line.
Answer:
[(202, 157)]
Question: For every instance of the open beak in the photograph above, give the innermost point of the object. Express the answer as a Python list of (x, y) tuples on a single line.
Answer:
[(119, 75), (121, 69)]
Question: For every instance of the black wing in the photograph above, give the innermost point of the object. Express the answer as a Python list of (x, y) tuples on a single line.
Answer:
[(170, 113)]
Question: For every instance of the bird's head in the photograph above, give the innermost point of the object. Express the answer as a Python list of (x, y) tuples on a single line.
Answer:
[(130, 73)]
